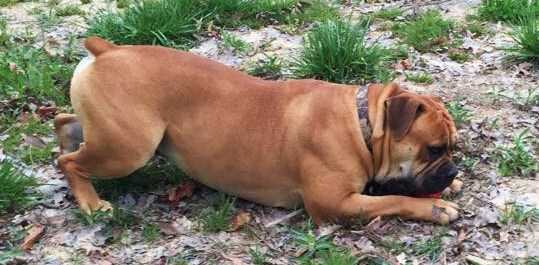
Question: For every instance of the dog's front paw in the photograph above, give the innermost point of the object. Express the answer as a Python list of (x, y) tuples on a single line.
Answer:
[(444, 212)]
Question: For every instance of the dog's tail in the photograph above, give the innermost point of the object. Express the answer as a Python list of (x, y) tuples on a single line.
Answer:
[(97, 45)]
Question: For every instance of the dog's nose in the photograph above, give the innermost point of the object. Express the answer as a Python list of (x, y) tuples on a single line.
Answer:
[(451, 170)]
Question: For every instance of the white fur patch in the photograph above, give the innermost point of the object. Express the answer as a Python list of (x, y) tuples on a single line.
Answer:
[(84, 63)]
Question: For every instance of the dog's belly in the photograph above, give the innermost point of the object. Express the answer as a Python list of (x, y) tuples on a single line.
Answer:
[(247, 182)]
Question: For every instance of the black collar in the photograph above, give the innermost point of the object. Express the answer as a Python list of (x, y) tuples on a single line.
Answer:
[(362, 104)]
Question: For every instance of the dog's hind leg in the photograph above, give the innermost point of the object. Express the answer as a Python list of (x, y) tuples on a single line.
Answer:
[(107, 152)]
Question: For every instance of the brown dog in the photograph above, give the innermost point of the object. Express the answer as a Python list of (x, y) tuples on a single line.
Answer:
[(278, 143)]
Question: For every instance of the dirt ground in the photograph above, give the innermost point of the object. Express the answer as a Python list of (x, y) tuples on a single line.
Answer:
[(486, 85)]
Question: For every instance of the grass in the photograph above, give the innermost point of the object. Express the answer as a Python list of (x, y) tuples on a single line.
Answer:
[(217, 217), (517, 158), (4, 34), (150, 232), (16, 190), (511, 11), (33, 74), (459, 113), (257, 13), (268, 68), (429, 248), (164, 22), (234, 43), (69, 10), (118, 217), (123, 3), (257, 256), (175, 23), (336, 51), (526, 100), (516, 214), (15, 144), (458, 56), (9, 2), (336, 256), (526, 38), (391, 13), (427, 32), (420, 78)]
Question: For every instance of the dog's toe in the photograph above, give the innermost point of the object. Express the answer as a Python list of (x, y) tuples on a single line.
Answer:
[(444, 212)]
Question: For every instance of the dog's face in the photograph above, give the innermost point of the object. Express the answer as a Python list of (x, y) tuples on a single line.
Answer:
[(419, 138)]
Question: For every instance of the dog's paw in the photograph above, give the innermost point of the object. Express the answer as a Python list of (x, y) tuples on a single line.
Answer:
[(444, 212), (104, 206), (454, 187)]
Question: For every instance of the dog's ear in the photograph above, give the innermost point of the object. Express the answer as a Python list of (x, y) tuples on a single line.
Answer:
[(377, 96), (401, 113)]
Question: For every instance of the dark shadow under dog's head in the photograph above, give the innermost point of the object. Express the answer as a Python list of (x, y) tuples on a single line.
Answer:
[(413, 154)]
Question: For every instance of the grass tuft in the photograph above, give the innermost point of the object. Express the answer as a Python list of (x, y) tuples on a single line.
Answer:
[(234, 43), (16, 189), (517, 157), (519, 214), (460, 114), (426, 32), (163, 22), (511, 11), (420, 78), (268, 68), (526, 37), (391, 13), (458, 56), (430, 248), (217, 217), (150, 232), (336, 51), (69, 10)]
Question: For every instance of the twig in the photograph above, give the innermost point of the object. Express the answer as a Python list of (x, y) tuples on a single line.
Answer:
[(283, 219)]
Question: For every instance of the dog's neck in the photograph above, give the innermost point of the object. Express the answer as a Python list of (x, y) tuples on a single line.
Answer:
[(362, 103)]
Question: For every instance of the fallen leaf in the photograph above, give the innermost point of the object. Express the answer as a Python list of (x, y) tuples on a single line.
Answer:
[(46, 112), (239, 220), (34, 141), (33, 235), (184, 190)]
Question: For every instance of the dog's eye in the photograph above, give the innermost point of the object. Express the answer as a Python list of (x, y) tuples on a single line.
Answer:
[(436, 151)]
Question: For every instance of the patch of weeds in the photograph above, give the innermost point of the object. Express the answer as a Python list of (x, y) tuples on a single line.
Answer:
[(164, 22), (336, 256), (517, 158), (176, 260), (234, 43), (516, 214), (18, 190), (47, 18), (7, 256), (118, 217), (9, 2), (336, 51), (393, 246), (145, 179), (4, 34), (526, 37), (426, 32), (399, 52), (257, 256), (459, 113), (217, 217), (69, 10), (507, 10), (268, 68), (31, 72), (308, 241), (420, 78), (123, 3), (257, 13), (429, 248), (477, 28), (15, 144), (391, 13), (150, 232), (84, 2), (467, 163), (525, 101), (458, 56)]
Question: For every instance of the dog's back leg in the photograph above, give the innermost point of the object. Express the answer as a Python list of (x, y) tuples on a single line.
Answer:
[(108, 151), (68, 131)]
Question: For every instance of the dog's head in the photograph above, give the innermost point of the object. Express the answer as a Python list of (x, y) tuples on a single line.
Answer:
[(413, 137)]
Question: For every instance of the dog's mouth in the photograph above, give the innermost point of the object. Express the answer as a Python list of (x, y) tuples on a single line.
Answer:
[(407, 186)]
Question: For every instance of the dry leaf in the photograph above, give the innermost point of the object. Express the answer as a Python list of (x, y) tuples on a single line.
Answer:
[(33, 235), (184, 190), (239, 220), (46, 112), (34, 141)]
